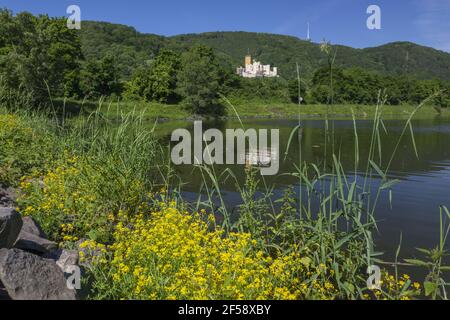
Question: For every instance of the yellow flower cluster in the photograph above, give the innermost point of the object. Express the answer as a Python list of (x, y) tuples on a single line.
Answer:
[(67, 231), (59, 197), (392, 288), (169, 254), (93, 252)]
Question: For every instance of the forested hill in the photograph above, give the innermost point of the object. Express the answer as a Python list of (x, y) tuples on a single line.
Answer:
[(129, 47), (132, 48)]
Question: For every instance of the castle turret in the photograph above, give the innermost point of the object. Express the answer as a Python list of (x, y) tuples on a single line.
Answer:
[(248, 60)]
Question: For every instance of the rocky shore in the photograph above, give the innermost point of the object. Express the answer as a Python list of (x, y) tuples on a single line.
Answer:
[(31, 266)]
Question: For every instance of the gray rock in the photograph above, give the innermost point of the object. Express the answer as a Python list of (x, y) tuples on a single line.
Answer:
[(64, 258), (33, 239), (7, 197), (3, 294), (34, 244), (32, 227), (30, 277), (10, 226)]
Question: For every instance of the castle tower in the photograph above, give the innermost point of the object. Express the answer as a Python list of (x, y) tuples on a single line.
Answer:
[(248, 59)]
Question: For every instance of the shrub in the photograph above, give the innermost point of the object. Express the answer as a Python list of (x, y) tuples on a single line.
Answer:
[(65, 196), (25, 149)]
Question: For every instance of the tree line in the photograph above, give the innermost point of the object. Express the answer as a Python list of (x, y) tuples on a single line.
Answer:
[(41, 59), (358, 86)]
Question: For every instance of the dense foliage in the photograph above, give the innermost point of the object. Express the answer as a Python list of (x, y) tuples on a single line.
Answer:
[(199, 80), (42, 59), (357, 86), (100, 78), (399, 58), (38, 55), (156, 81), (130, 48)]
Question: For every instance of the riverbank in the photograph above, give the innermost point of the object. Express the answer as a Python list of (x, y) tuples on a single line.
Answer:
[(254, 109)]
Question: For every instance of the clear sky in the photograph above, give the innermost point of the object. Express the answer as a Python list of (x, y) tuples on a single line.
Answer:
[(426, 22)]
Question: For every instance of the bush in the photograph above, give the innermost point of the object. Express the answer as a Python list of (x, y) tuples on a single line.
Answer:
[(26, 148), (73, 194)]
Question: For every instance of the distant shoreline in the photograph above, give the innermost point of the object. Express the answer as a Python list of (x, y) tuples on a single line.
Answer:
[(262, 110)]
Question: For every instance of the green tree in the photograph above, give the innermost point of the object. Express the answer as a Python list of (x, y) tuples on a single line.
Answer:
[(359, 86), (158, 81), (328, 80), (163, 76), (321, 94), (139, 86), (297, 92), (38, 55), (199, 81), (100, 78)]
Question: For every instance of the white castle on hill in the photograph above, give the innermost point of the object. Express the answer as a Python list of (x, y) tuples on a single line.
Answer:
[(256, 70)]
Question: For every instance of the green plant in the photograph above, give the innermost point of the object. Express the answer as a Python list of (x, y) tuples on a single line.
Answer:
[(434, 284)]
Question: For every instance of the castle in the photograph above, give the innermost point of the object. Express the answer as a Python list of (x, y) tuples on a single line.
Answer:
[(256, 70)]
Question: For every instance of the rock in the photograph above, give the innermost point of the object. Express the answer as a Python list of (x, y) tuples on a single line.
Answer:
[(30, 277), (68, 262), (10, 226), (7, 197), (3, 294), (34, 244), (31, 226), (64, 258), (33, 239)]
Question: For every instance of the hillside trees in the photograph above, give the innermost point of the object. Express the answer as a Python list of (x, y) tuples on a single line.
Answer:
[(39, 56), (358, 86), (158, 81), (130, 48), (100, 78)]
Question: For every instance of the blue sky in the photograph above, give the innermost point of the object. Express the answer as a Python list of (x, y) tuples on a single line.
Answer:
[(425, 22)]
